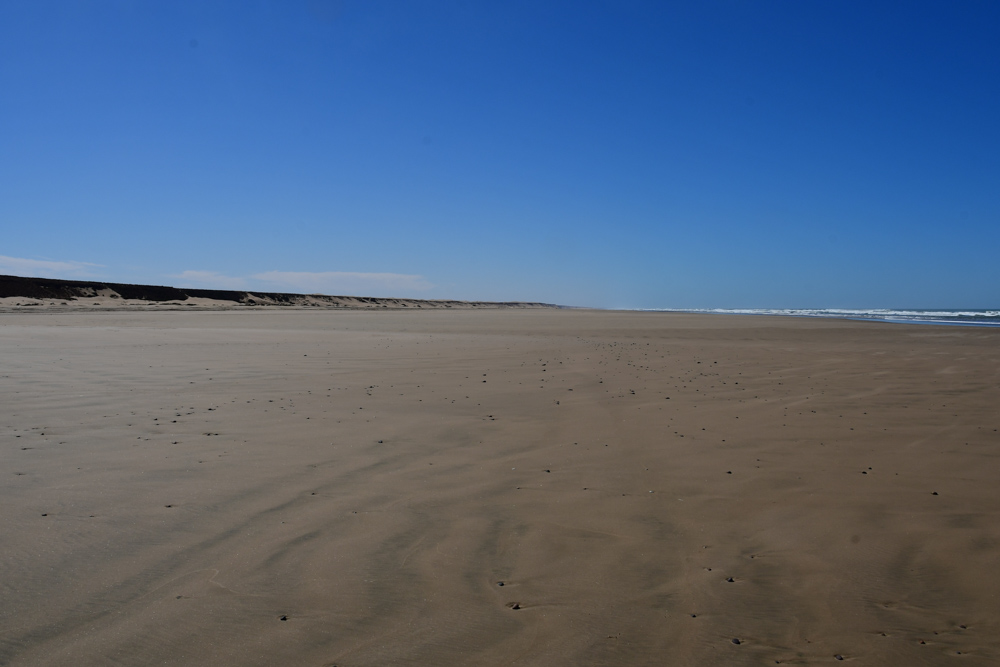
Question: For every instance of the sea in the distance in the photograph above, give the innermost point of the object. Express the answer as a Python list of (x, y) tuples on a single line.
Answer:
[(975, 318)]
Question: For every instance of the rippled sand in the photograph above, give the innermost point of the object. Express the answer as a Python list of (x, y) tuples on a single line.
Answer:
[(503, 487)]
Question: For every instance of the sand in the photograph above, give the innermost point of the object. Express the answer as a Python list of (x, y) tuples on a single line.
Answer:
[(352, 488)]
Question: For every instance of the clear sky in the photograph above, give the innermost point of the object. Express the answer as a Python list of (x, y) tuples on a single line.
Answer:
[(611, 154)]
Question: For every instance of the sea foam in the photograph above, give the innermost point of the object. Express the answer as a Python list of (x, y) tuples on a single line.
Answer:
[(912, 316)]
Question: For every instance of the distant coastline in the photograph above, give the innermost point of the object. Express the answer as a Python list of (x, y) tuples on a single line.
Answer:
[(18, 293)]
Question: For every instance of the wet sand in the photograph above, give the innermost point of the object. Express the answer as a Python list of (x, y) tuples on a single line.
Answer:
[(502, 487)]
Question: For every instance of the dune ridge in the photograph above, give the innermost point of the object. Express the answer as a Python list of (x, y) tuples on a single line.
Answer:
[(22, 292)]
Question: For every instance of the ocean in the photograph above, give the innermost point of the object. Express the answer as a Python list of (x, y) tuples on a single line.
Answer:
[(976, 318)]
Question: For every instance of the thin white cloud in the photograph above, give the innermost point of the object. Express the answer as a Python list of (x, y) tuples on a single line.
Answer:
[(323, 282), (343, 282), (210, 280), (44, 268)]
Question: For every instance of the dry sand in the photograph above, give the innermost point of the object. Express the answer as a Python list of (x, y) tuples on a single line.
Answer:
[(352, 488)]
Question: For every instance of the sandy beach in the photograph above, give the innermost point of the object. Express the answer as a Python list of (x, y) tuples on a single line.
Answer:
[(528, 487)]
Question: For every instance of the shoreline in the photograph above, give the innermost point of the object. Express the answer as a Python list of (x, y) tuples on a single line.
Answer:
[(9, 306), (962, 317)]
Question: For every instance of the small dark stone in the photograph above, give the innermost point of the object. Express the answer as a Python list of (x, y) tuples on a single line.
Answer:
[(45, 514), (729, 472), (730, 580), (283, 618), (499, 583), (736, 641), (839, 657)]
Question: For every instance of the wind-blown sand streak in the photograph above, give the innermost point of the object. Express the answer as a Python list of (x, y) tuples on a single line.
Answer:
[(352, 488)]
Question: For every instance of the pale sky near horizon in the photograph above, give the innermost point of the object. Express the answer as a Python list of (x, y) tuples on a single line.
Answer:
[(612, 154)]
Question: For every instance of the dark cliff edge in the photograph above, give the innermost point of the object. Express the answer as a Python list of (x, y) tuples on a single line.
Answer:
[(72, 290)]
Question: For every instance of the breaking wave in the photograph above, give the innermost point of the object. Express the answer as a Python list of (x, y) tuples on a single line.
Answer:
[(913, 316)]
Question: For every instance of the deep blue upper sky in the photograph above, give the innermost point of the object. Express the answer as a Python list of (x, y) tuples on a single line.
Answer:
[(615, 154)]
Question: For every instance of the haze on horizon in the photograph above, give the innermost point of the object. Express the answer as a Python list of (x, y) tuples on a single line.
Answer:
[(609, 154)]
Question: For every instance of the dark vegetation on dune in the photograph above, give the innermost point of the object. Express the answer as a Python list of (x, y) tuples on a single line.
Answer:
[(47, 288), (69, 290)]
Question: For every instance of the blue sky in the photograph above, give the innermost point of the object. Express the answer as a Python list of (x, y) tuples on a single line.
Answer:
[(611, 154)]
